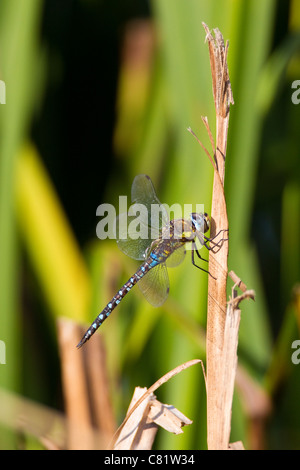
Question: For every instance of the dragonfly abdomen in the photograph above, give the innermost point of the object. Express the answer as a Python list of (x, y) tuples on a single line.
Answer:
[(144, 268)]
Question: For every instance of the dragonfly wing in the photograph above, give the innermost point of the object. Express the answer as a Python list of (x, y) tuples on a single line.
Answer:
[(176, 257), (126, 235), (136, 229), (155, 285), (143, 192)]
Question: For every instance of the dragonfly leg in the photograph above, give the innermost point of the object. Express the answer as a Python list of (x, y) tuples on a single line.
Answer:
[(197, 253), (217, 234), (213, 238), (194, 249), (215, 245)]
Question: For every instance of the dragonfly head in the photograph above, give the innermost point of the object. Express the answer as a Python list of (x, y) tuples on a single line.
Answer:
[(201, 222)]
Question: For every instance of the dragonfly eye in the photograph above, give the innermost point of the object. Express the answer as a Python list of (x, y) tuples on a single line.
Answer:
[(206, 222), (201, 222)]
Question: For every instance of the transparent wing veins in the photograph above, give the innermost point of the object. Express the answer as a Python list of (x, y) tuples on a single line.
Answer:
[(155, 285), (136, 229)]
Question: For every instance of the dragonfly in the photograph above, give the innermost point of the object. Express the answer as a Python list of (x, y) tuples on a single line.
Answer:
[(164, 246)]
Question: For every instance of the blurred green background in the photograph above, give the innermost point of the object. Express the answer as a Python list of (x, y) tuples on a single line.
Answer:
[(97, 92)]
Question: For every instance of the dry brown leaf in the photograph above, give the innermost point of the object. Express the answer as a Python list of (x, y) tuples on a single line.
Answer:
[(131, 436), (147, 396), (142, 422), (168, 417)]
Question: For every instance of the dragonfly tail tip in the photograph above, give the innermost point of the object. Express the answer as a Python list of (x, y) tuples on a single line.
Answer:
[(81, 343)]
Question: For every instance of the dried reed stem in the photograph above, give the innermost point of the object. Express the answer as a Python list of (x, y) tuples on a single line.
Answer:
[(218, 350), (86, 391)]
